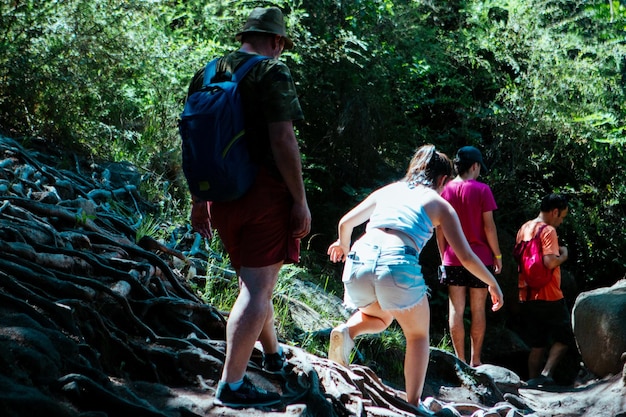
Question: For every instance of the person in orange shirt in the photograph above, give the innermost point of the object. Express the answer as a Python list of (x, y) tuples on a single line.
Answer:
[(546, 316)]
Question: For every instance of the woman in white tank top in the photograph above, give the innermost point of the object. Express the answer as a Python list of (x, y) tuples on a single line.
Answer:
[(382, 276)]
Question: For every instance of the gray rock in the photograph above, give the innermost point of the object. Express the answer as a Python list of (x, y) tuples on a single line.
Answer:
[(505, 379), (598, 319)]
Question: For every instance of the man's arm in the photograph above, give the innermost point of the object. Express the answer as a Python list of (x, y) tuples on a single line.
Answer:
[(550, 242), (287, 156), (201, 217), (552, 261)]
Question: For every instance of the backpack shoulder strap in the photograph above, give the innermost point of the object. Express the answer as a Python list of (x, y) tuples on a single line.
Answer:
[(212, 68), (541, 230), (538, 236), (247, 66), (209, 71)]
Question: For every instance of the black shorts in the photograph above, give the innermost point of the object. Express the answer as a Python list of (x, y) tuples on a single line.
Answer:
[(547, 322), (461, 277)]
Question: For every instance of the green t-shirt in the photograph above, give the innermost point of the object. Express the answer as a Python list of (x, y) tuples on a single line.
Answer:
[(269, 95)]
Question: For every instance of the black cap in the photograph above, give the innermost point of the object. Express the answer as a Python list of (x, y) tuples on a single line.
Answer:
[(472, 154)]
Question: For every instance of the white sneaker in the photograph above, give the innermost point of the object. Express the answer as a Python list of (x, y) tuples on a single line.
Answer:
[(425, 411), (341, 345)]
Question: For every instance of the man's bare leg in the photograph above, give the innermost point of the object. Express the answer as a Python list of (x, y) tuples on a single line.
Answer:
[(556, 353), (249, 319), (535, 362)]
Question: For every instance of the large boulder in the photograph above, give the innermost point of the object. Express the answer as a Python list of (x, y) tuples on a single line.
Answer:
[(598, 319)]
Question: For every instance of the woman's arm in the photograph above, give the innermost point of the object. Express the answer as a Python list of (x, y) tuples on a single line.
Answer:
[(492, 239), (358, 215), (441, 242)]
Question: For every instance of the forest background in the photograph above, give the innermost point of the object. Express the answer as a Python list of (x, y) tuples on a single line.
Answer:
[(538, 86)]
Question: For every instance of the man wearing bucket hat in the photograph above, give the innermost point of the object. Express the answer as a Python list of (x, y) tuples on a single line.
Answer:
[(261, 231), (474, 203)]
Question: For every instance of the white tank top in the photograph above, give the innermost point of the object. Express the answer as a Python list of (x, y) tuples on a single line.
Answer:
[(399, 207)]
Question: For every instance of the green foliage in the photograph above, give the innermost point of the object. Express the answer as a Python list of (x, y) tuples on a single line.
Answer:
[(82, 217), (57, 68), (153, 227), (564, 92), (445, 343)]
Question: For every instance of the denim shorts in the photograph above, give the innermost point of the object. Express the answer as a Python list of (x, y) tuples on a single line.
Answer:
[(390, 275)]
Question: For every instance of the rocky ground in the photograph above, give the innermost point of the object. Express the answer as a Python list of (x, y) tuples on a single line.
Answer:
[(96, 320)]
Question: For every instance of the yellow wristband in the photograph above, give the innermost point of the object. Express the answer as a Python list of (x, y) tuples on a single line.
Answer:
[(498, 256)]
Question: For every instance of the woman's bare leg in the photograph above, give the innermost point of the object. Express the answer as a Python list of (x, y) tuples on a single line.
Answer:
[(415, 323)]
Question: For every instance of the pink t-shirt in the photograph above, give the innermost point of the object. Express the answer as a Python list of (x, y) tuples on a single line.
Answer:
[(470, 199)]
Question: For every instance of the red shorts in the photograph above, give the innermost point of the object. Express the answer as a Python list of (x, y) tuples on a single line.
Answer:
[(255, 229)]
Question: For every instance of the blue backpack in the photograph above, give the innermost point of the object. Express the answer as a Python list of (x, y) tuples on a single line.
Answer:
[(215, 155)]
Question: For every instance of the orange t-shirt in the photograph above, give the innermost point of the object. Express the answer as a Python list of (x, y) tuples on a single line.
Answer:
[(550, 243)]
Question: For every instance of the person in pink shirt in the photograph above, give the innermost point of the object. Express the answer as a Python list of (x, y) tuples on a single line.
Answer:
[(474, 204)]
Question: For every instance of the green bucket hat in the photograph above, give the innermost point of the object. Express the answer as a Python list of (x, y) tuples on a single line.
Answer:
[(266, 20)]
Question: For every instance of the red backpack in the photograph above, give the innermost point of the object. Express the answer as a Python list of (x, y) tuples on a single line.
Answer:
[(529, 257)]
